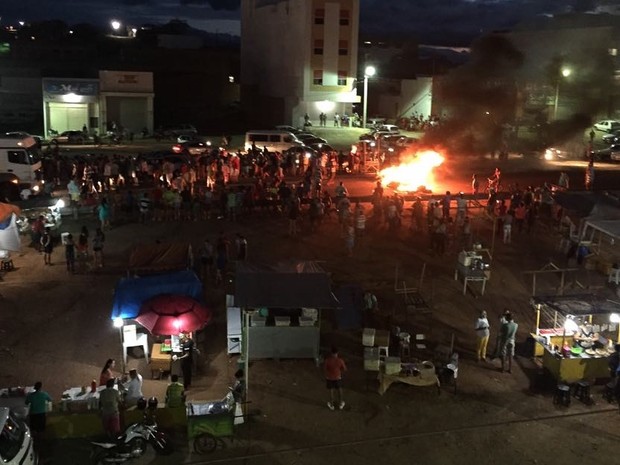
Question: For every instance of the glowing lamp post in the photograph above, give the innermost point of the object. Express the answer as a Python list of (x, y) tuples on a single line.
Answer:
[(116, 25), (119, 323), (615, 318), (369, 72), (564, 73)]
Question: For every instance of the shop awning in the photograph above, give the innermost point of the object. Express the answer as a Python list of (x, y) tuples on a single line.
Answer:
[(295, 284), (579, 305), (610, 228), (131, 293), (160, 258)]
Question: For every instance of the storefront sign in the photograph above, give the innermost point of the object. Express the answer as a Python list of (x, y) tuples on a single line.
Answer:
[(70, 86)]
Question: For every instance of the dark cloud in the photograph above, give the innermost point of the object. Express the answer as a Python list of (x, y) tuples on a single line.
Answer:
[(450, 22)]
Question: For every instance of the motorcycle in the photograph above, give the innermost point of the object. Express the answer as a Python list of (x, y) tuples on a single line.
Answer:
[(132, 444)]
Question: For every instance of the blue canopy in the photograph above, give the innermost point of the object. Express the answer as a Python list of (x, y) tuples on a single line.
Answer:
[(131, 293)]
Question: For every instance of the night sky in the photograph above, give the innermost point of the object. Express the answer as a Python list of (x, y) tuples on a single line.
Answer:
[(432, 21)]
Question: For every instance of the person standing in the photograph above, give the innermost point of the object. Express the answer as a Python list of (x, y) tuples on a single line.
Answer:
[(70, 253), (74, 193), (109, 402), (187, 359), (106, 372), (497, 352), (482, 333), (133, 388), (507, 227), (475, 185), (103, 211), (98, 241), (589, 182), (333, 368), (47, 246), (508, 335), (145, 207), (37, 401)]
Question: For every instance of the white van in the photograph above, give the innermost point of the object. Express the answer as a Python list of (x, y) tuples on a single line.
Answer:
[(20, 157), (275, 141)]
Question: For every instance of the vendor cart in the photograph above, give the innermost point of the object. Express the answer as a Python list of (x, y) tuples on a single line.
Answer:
[(209, 421)]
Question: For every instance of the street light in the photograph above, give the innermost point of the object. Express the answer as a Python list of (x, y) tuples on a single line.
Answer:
[(116, 25), (369, 72), (119, 323), (564, 73)]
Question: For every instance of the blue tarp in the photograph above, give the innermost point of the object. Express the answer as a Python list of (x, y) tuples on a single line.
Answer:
[(131, 293)]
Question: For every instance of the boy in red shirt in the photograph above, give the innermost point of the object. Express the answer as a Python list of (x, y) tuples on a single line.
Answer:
[(333, 368)]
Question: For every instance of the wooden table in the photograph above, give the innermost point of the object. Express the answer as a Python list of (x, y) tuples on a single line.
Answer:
[(426, 377), (160, 361)]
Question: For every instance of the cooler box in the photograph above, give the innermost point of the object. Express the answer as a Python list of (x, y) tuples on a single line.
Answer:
[(371, 359), (392, 365), (368, 337), (283, 320), (258, 320)]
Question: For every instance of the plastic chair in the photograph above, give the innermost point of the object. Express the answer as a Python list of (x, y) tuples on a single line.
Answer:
[(132, 339), (614, 276)]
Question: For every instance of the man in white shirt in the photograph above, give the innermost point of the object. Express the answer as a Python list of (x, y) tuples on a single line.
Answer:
[(133, 388)]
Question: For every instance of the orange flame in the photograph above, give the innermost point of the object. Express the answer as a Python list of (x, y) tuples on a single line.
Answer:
[(415, 173)]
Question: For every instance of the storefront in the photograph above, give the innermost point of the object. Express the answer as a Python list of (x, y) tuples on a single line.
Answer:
[(117, 101), (126, 101), (558, 326), (70, 104)]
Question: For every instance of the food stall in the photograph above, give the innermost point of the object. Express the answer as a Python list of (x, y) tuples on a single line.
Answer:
[(132, 293), (557, 322), (472, 266), (281, 306)]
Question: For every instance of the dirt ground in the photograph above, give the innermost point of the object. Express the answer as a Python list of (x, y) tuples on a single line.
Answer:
[(55, 327)]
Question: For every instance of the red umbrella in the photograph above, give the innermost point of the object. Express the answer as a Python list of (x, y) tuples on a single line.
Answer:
[(172, 314)]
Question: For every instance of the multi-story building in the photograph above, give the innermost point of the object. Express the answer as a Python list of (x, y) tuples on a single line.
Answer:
[(298, 57)]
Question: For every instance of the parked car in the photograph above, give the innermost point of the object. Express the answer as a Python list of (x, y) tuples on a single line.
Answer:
[(321, 147), (71, 137), (609, 154), (179, 130), (289, 129), (391, 128), (192, 148), (23, 135), (313, 140), (607, 125), (612, 137)]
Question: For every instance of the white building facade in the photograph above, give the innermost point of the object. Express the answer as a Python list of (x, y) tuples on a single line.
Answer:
[(298, 57)]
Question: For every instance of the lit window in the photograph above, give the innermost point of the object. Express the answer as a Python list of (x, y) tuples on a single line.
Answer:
[(342, 78), (343, 47), (318, 47), (613, 52), (231, 79), (318, 77), (319, 16), (344, 17)]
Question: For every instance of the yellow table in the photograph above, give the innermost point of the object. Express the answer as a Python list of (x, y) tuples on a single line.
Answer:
[(573, 369), (160, 361), (426, 377)]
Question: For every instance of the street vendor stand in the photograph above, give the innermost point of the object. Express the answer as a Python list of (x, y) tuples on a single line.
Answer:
[(282, 305), (133, 292), (472, 267), (553, 332)]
